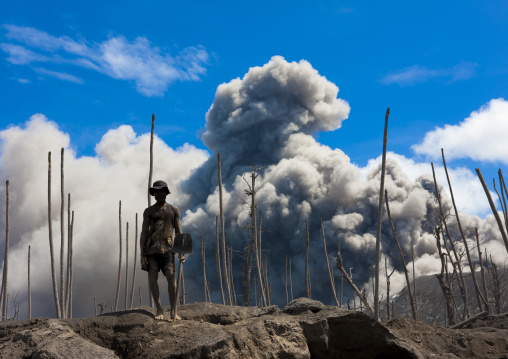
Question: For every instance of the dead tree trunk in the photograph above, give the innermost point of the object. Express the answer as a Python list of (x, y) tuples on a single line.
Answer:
[(67, 283), (361, 295), (51, 252), (62, 238), (456, 264), (307, 277), (496, 287), (231, 279), (223, 235), (388, 288), (326, 262), (148, 189), (286, 280), (6, 254), (71, 265), (135, 262), (126, 264), (203, 263), (151, 162), (379, 218), (484, 283), (447, 292), (479, 296), (120, 256), (290, 280), (408, 282), (493, 207), (265, 277), (254, 244), (29, 288), (217, 258)]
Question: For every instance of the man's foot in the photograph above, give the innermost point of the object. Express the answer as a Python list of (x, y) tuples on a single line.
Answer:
[(160, 314), (176, 318)]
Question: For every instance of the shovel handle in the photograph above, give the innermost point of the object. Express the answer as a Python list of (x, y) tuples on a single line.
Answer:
[(177, 286)]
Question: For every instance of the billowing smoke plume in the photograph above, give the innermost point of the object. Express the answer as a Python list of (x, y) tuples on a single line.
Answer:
[(268, 120)]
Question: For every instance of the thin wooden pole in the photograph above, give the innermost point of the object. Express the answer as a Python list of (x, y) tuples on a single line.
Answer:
[(126, 264), (67, 284), (401, 255), (203, 263), (223, 235), (148, 192), (29, 288), (493, 207), (151, 162), (51, 251), (307, 279), (6, 254), (62, 237), (135, 262), (460, 282), (326, 263), (484, 282), (479, 296), (290, 280), (71, 265), (286, 280), (120, 255), (379, 218), (217, 258)]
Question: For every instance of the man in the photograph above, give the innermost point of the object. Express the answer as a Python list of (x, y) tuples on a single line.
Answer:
[(156, 241)]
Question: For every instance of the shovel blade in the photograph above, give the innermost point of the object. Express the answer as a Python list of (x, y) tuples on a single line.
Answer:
[(182, 243)]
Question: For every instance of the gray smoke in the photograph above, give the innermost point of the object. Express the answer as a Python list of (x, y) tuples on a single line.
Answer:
[(268, 118)]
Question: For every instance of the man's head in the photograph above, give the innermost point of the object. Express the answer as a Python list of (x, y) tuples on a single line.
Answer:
[(159, 186)]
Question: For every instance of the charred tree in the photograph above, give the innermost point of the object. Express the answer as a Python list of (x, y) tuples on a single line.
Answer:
[(457, 262), (307, 277), (223, 235), (330, 274), (51, 252), (479, 296), (379, 218), (135, 262), (217, 258), (447, 291), (6, 254), (401, 255), (120, 256)]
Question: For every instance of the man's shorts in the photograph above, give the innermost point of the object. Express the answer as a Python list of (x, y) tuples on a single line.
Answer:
[(161, 262)]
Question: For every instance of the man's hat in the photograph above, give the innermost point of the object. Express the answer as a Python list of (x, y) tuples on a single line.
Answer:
[(159, 185)]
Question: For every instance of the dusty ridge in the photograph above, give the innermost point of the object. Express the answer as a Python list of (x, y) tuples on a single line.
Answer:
[(303, 329)]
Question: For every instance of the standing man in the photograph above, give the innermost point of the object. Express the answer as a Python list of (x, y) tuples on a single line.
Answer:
[(156, 241)]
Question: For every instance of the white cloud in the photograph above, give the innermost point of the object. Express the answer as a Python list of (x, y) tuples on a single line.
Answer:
[(151, 69), (119, 171), (480, 137), (60, 75), (416, 74)]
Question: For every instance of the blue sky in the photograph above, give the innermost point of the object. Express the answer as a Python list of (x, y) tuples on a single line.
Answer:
[(433, 63)]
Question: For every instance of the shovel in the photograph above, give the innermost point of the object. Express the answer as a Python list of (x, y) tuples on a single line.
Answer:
[(181, 246)]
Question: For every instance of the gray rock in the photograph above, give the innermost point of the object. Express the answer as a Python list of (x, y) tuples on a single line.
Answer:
[(304, 329)]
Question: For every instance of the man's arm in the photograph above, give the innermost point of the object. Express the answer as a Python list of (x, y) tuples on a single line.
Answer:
[(144, 231), (178, 228)]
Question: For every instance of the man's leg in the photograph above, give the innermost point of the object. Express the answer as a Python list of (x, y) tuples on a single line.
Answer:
[(170, 276), (154, 288)]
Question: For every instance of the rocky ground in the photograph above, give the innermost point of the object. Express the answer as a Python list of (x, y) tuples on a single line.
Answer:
[(303, 329)]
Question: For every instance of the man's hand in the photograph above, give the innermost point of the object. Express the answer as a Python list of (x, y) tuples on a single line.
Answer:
[(182, 258), (144, 262)]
